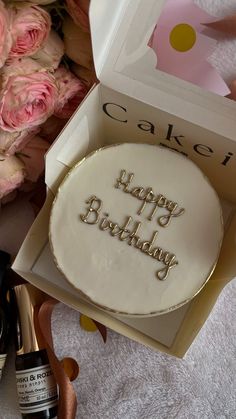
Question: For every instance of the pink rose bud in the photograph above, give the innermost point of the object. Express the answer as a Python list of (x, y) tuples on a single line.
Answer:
[(13, 142), (12, 173), (28, 95), (78, 9), (50, 55), (33, 157), (78, 44), (30, 28), (71, 93), (5, 35)]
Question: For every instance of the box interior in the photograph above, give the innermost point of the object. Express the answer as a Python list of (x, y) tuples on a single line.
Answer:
[(108, 117)]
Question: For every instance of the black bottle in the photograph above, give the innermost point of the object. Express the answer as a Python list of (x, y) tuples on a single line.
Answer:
[(4, 309), (36, 386)]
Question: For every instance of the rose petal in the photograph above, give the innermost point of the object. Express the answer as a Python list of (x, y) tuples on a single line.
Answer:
[(71, 93), (13, 142), (5, 35), (12, 173), (30, 29), (50, 55), (28, 97)]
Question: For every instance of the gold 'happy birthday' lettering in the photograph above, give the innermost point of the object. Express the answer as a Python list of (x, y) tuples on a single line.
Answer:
[(149, 197), (129, 235)]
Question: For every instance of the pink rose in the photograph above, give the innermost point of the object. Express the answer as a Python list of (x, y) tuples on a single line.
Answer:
[(30, 28), (33, 157), (78, 44), (28, 95), (5, 36), (78, 9), (50, 55), (13, 142), (71, 93), (12, 173)]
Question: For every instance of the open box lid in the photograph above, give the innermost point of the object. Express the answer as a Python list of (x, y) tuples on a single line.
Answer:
[(123, 61)]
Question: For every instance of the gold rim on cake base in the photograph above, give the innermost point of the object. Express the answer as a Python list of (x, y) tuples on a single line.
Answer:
[(101, 306)]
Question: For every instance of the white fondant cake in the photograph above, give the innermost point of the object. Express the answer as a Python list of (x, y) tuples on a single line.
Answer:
[(136, 228)]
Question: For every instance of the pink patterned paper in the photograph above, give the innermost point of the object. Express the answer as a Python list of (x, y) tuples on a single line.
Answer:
[(192, 65)]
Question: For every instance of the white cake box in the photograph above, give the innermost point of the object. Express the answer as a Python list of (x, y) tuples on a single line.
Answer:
[(136, 103)]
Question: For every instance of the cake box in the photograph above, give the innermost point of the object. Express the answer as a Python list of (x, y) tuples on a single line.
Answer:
[(134, 102)]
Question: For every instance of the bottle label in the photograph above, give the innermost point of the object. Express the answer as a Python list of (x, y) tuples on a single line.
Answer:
[(36, 388), (2, 363)]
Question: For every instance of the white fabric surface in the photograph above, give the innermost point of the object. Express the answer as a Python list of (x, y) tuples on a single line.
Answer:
[(125, 380), (224, 56)]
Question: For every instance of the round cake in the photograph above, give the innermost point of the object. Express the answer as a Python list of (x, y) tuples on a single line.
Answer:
[(136, 228)]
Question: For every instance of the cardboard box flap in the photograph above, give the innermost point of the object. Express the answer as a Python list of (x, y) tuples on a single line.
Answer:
[(110, 22), (124, 62), (105, 16), (84, 137)]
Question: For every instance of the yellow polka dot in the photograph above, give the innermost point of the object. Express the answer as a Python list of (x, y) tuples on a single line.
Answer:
[(183, 37), (87, 324)]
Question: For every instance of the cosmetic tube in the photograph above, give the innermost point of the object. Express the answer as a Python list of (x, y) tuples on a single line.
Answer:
[(36, 386)]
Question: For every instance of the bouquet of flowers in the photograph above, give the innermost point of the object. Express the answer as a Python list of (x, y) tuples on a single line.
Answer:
[(46, 69)]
